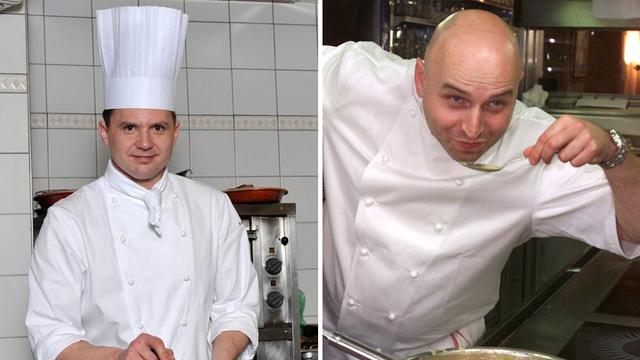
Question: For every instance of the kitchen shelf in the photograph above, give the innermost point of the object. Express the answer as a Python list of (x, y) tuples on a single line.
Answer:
[(397, 20)]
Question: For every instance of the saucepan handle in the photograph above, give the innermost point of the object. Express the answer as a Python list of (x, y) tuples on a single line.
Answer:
[(353, 347)]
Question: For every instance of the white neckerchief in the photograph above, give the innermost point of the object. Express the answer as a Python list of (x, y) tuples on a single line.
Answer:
[(152, 198)]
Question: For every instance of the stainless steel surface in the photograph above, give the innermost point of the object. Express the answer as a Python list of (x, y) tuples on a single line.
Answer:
[(6, 4), (531, 44), (353, 347), (485, 354), (567, 14), (272, 236), (551, 327), (362, 351)]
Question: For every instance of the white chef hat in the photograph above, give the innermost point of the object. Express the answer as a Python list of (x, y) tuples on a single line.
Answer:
[(141, 50)]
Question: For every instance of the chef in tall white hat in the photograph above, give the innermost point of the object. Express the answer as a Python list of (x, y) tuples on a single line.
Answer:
[(141, 263)]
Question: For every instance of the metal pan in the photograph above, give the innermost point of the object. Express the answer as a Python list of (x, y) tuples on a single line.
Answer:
[(362, 351), (248, 194), (47, 198)]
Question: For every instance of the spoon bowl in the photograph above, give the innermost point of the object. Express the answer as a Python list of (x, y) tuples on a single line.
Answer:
[(488, 167)]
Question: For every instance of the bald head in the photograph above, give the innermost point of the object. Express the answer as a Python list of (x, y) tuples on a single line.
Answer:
[(468, 82), (475, 35)]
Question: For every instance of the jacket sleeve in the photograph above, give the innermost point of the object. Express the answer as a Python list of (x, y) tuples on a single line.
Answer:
[(578, 203), (56, 281), (237, 299)]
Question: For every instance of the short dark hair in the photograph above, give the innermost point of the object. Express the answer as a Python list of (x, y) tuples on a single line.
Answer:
[(106, 115)]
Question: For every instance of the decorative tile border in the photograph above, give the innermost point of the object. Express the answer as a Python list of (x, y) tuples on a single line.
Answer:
[(38, 121), (298, 122), (183, 120), (13, 83), (243, 122), (72, 121), (211, 122)]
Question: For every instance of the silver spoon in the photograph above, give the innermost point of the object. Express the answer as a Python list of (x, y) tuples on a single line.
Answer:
[(488, 167)]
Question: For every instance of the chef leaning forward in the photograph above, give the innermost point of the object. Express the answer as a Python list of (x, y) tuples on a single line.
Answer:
[(413, 240), (142, 264)]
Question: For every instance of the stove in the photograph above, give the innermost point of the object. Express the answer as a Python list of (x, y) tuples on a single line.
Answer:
[(594, 341), (271, 232)]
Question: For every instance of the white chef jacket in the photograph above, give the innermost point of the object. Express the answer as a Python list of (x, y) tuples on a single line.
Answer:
[(100, 273), (414, 242)]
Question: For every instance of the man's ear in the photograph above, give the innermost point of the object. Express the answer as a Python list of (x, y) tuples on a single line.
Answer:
[(104, 134), (419, 76), (176, 133)]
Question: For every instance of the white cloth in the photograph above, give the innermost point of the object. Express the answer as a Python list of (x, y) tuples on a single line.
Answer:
[(536, 96), (99, 272), (152, 198), (153, 201), (141, 50), (414, 242)]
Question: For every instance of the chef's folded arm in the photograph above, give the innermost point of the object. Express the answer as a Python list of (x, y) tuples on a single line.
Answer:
[(234, 313)]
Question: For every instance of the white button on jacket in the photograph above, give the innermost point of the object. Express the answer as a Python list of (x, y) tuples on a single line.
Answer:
[(368, 111)]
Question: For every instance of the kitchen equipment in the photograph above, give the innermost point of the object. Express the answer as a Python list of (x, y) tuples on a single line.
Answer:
[(362, 351), (272, 239), (489, 167), (309, 354), (46, 198), (185, 173), (5, 4), (590, 314), (248, 194), (309, 342)]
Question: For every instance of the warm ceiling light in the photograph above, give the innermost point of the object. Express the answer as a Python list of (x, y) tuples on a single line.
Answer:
[(632, 49)]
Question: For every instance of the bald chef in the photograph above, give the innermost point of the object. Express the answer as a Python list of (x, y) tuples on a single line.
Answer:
[(141, 263), (413, 240)]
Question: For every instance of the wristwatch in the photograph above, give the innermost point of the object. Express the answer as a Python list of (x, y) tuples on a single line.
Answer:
[(623, 150)]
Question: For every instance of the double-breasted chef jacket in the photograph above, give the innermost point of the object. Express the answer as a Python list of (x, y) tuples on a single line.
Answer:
[(101, 273), (414, 242)]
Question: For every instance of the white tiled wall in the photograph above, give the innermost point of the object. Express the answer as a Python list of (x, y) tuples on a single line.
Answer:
[(15, 184), (247, 102)]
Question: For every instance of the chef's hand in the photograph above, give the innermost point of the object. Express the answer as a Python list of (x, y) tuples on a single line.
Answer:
[(146, 347), (574, 140)]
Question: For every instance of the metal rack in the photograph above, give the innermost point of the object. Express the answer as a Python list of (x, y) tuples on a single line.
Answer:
[(411, 23)]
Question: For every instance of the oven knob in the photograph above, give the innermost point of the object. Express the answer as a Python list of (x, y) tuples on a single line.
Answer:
[(275, 300), (284, 240), (273, 266)]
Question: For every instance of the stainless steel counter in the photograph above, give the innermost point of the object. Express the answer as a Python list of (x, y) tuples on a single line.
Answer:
[(552, 326)]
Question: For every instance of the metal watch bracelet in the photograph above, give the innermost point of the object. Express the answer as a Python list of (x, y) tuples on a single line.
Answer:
[(623, 150)]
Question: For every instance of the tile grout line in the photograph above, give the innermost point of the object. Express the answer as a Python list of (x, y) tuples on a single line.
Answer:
[(275, 82), (233, 105), (46, 97), (95, 95), (186, 79)]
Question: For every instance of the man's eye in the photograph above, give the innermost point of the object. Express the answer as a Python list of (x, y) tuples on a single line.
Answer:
[(158, 127), (496, 103), (456, 100), (129, 127)]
